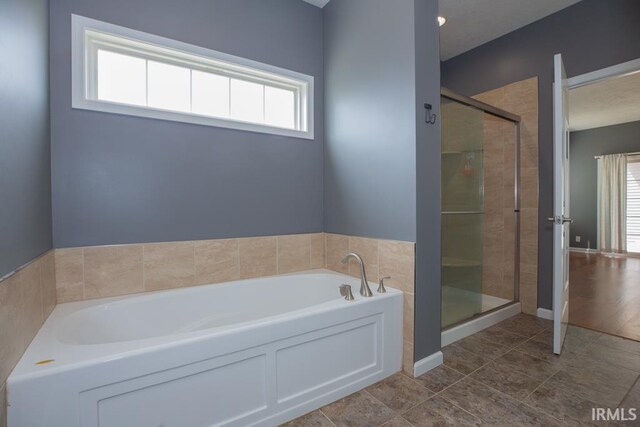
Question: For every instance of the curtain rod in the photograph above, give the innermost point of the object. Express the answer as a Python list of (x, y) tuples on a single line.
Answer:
[(637, 153)]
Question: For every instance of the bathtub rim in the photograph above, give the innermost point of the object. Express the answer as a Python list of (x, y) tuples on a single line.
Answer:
[(83, 355)]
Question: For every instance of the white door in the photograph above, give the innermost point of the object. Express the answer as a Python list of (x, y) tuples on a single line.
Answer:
[(561, 217)]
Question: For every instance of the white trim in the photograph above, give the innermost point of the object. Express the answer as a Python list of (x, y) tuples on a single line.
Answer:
[(598, 177), (466, 329), (543, 313), (584, 250), (618, 70), (423, 366), (80, 79)]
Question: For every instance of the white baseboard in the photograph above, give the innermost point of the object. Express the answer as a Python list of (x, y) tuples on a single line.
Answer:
[(423, 366), (585, 250), (545, 314), (476, 325)]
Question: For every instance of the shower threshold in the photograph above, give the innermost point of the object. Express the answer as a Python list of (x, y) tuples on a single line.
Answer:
[(479, 322)]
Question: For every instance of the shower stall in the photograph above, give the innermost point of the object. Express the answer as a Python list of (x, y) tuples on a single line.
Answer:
[(480, 208)]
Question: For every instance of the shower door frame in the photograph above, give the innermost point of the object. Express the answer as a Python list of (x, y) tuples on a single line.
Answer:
[(514, 118)]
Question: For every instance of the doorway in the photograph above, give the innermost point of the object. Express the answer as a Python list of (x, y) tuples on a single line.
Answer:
[(604, 196)]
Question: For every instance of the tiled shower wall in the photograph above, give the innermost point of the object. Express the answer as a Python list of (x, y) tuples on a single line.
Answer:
[(27, 297), (498, 240), (521, 98), (104, 271)]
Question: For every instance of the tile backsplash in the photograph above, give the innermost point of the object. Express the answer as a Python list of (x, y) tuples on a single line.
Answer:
[(104, 271)]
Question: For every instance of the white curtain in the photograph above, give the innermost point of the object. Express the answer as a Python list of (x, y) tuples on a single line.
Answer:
[(612, 203)]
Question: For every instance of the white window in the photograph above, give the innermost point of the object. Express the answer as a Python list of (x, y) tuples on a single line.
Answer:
[(119, 70), (633, 204)]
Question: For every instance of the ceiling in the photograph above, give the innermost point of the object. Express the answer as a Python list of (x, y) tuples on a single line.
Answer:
[(471, 23), (605, 103)]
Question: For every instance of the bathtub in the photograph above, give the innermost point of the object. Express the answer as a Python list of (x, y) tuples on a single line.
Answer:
[(249, 352)]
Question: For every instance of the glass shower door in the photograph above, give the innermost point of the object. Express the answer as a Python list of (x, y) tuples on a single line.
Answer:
[(480, 208), (462, 211)]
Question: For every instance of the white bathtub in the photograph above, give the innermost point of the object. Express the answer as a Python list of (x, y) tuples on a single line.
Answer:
[(250, 352)]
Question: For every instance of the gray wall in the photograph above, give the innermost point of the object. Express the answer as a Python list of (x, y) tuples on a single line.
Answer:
[(428, 179), (119, 179), (25, 173), (369, 168), (585, 144), (592, 34), (382, 161)]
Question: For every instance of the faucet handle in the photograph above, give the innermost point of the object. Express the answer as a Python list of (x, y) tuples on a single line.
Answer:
[(345, 291), (381, 289)]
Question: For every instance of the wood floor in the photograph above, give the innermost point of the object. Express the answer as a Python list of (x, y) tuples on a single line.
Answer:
[(605, 294)]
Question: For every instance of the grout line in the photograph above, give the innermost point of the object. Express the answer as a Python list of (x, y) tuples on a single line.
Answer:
[(144, 281), (378, 261), (419, 403), (540, 385), (541, 411), (277, 245), (462, 409), (636, 382), (324, 238), (406, 420), (534, 390), (83, 281), (325, 415), (380, 402), (193, 282)]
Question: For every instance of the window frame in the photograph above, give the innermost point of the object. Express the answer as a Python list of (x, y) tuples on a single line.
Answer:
[(89, 35), (631, 160)]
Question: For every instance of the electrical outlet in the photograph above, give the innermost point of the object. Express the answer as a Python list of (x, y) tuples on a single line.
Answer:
[(578, 239)]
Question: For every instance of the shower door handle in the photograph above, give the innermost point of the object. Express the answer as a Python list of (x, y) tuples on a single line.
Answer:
[(560, 220)]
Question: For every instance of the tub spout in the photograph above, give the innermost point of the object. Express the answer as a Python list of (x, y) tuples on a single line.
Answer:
[(364, 286)]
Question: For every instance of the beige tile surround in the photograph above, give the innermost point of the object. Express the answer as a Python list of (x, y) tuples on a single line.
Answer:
[(27, 297), (103, 271), (382, 258), (521, 98)]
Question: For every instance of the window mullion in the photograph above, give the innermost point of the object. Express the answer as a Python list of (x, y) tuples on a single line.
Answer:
[(191, 90), (146, 82), (229, 109)]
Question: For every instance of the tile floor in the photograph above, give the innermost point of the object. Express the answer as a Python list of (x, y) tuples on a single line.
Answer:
[(505, 375)]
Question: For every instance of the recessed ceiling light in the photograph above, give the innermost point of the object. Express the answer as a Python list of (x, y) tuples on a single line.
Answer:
[(442, 20)]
